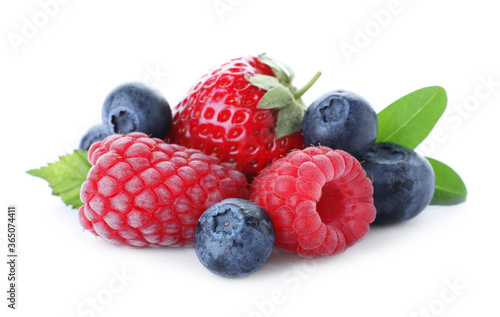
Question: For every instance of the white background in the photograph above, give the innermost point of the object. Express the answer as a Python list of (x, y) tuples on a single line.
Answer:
[(54, 78)]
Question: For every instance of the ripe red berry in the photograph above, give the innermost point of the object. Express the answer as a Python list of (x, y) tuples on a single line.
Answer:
[(245, 112), (320, 200), (141, 191)]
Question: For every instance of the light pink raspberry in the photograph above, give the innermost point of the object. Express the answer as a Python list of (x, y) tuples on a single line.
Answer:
[(142, 191), (320, 200)]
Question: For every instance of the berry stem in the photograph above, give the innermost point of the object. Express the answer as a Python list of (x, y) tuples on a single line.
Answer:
[(300, 92)]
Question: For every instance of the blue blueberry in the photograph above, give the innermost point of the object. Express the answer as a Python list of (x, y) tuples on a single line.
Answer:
[(403, 182), (96, 133), (134, 107), (234, 238), (341, 120)]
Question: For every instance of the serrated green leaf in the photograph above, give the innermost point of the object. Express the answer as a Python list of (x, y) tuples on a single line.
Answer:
[(409, 120), (66, 176), (450, 189), (276, 98)]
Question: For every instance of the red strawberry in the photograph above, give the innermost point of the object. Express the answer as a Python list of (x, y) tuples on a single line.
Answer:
[(244, 112)]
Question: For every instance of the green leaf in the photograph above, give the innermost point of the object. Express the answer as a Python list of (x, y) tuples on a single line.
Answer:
[(408, 120), (289, 120), (263, 81), (282, 71), (66, 176), (450, 189), (276, 98), (281, 95)]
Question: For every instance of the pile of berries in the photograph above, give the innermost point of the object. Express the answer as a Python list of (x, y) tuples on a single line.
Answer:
[(242, 166)]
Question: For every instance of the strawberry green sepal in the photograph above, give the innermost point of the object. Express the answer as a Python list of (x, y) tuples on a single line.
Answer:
[(66, 176), (282, 95)]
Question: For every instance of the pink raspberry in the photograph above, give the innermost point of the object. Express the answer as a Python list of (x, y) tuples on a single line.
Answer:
[(142, 191), (320, 200)]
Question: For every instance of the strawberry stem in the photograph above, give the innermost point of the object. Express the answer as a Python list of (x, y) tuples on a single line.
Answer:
[(300, 92)]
